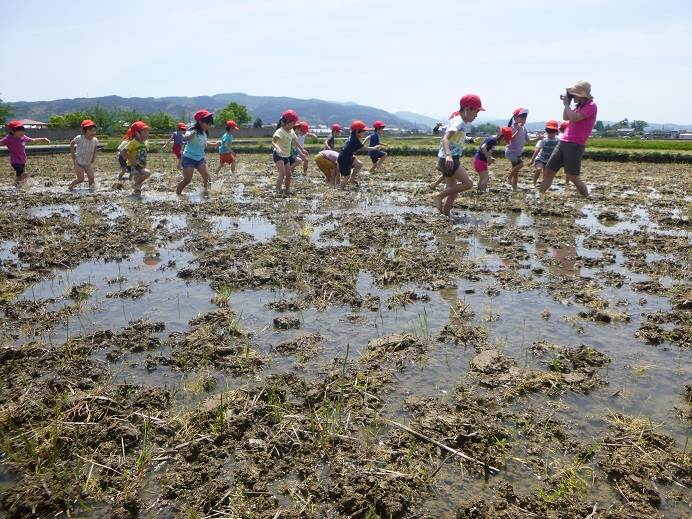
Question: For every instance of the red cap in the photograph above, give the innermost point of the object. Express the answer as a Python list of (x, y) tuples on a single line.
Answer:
[(359, 126), (290, 116), (378, 124), (303, 125), (551, 125), (13, 125), (336, 127), (520, 111), (506, 133), (138, 126), (471, 101), (564, 125), (87, 122), (201, 114), (182, 126), (231, 124)]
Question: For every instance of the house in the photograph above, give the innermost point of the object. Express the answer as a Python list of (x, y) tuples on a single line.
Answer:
[(30, 123), (685, 136), (625, 132)]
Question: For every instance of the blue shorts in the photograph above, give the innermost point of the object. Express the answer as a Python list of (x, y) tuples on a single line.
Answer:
[(187, 162), (376, 155)]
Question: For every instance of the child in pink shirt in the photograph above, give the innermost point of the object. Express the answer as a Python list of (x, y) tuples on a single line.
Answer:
[(16, 141)]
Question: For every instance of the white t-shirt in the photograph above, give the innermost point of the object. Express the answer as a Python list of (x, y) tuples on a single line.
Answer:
[(456, 141), (84, 149)]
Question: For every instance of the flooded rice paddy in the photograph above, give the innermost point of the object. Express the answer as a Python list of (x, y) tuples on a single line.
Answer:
[(346, 353)]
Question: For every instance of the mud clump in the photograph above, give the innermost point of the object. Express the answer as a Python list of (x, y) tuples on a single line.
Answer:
[(406, 298), (396, 348), (286, 322), (306, 346)]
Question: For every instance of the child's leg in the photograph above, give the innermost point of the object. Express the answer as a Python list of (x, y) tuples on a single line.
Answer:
[(305, 164), (513, 178), (483, 177), (140, 177), (233, 163), (79, 172), (463, 183), (537, 172), (89, 170), (381, 160), (281, 167), (187, 178), (357, 166), (204, 171)]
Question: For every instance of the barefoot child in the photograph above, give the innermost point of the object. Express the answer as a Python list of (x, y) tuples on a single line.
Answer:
[(326, 161), (16, 140), (226, 154), (515, 147), (347, 160), (136, 153), (377, 156), (177, 138), (302, 130), (83, 150), (195, 148), (451, 149), (329, 144), (283, 140), (484, 156), (544, 148), (124, 167)]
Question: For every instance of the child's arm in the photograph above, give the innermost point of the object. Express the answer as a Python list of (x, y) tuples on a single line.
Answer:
[(275, 143), (487, 154), (40, 139), (326, 144), (311, 135), (445, 146), (539, 145), (166, 143), (73, 149), (93, 156), (189, 135)]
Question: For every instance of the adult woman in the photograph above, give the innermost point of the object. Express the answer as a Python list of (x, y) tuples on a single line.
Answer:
[(570, 150)]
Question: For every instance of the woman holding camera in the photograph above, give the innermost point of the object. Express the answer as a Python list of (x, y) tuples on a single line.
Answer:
[(570, 149)]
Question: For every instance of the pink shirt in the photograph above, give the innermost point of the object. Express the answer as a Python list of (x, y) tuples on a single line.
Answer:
[(16, 147), (580, 131)]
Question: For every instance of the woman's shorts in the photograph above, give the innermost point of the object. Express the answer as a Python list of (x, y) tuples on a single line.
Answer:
[(567, 154), (326, 166), (18, 168), (226, 158), (286, 160), (376, 155), (187, 162), (479, 165), (514, 158), (442, 165), (178, 150)]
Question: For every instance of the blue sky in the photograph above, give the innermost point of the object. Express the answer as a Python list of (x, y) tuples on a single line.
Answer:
[(397, 55)]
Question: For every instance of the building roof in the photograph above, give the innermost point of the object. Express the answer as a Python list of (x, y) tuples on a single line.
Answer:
[(29, 122)]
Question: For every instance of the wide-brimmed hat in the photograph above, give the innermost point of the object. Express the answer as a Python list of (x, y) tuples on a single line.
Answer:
[(581, 89)]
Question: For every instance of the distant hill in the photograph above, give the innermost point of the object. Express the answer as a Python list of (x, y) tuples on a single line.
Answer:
[(417, 119), (269, 109)]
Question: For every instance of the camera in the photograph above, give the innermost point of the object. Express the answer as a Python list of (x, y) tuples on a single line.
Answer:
[(569, 96)]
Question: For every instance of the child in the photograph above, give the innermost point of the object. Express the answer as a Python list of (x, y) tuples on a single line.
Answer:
[(177, 138), (83, 150), (326, 161), (302, 130), (283, 140), (226, 154), (195, 147), (16, 141), (484, 156), (515, 147), (543, 150), (124, 167), (377, 156), (451, 149), (329, 144), (136, 152), (347, 160)]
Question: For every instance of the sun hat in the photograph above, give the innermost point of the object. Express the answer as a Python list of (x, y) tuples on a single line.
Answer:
[(506, 133), (202, 114), (231, 124), (182, 126), (13, 125), (290, 116), (581, 89), (471, 101), (564, 125), (86, 123), (551, 124), (359, 126), (336, 127), (520, 111), (378, 124)]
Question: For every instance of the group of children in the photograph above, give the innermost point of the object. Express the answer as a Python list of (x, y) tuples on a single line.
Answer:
[(341, 168)]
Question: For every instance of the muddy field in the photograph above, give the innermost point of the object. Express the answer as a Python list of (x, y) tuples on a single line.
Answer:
[(346, 353)]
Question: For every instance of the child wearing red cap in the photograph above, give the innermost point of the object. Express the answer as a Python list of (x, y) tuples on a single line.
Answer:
[(451, 150), (83, 150), (16, 140), (484, 156), (302, 130), (136, 153), (349, 165), (195, 148), (226, 154), (177, 139), (329, 143), (515, 147), (544, 148), (377, 156), (283, 140), (122, 160)]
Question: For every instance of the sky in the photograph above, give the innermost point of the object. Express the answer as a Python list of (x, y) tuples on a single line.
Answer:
[(420, 56)]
